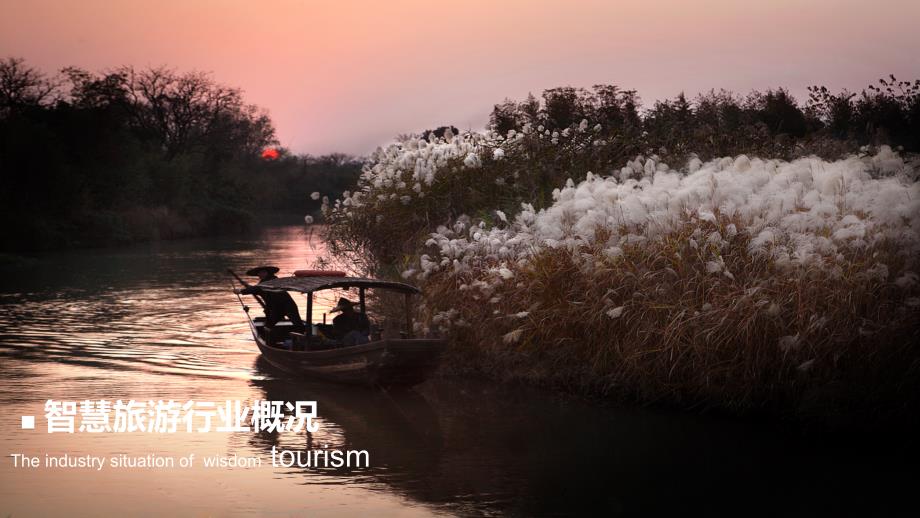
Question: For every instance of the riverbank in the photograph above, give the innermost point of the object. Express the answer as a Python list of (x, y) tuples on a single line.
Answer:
[(787, 288), (132, 227), (122, 227)]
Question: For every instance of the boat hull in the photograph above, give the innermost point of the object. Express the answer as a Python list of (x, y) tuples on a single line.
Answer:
[(398, 362)]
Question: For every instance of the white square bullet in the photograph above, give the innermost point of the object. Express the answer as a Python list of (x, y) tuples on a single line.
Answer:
[(28, 422)]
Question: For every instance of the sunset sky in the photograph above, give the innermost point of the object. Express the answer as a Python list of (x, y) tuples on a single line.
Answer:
[(349, 75)]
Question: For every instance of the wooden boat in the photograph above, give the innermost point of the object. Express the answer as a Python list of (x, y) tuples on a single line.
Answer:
[(403, 361)]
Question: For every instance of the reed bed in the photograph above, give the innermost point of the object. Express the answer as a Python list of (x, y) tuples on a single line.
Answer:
[(656, 324), (737, 283)]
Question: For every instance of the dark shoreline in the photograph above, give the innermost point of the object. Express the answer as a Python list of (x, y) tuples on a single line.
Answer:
[(183, 228)]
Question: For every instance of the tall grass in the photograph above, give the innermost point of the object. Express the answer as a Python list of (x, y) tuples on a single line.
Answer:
[(657, 324)]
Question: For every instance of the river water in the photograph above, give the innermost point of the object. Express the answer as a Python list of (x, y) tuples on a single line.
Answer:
[(158, 322)]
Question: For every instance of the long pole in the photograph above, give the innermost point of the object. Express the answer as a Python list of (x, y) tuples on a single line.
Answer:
[(243, 304), (244, 283)]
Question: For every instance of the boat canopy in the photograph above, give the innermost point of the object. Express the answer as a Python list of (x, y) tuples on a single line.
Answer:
[(311, 284)]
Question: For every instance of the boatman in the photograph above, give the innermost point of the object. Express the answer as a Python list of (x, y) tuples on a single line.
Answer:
[(278, 304)]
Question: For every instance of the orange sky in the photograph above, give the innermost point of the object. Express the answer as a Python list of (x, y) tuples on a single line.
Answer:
[(348, 75)]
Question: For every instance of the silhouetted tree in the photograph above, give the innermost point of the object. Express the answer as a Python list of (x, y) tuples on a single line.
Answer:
[(529, 111), (563, 106), (504, 117), (22, 86), (615, 109), (779, 111)]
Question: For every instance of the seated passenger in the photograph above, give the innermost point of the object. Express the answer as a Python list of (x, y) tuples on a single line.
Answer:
[(351, 327)]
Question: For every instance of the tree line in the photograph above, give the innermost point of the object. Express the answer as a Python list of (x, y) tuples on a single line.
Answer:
[(127, 155), (721, 123)]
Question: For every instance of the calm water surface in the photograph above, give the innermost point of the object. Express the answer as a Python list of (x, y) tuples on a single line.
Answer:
[(158, 322)]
